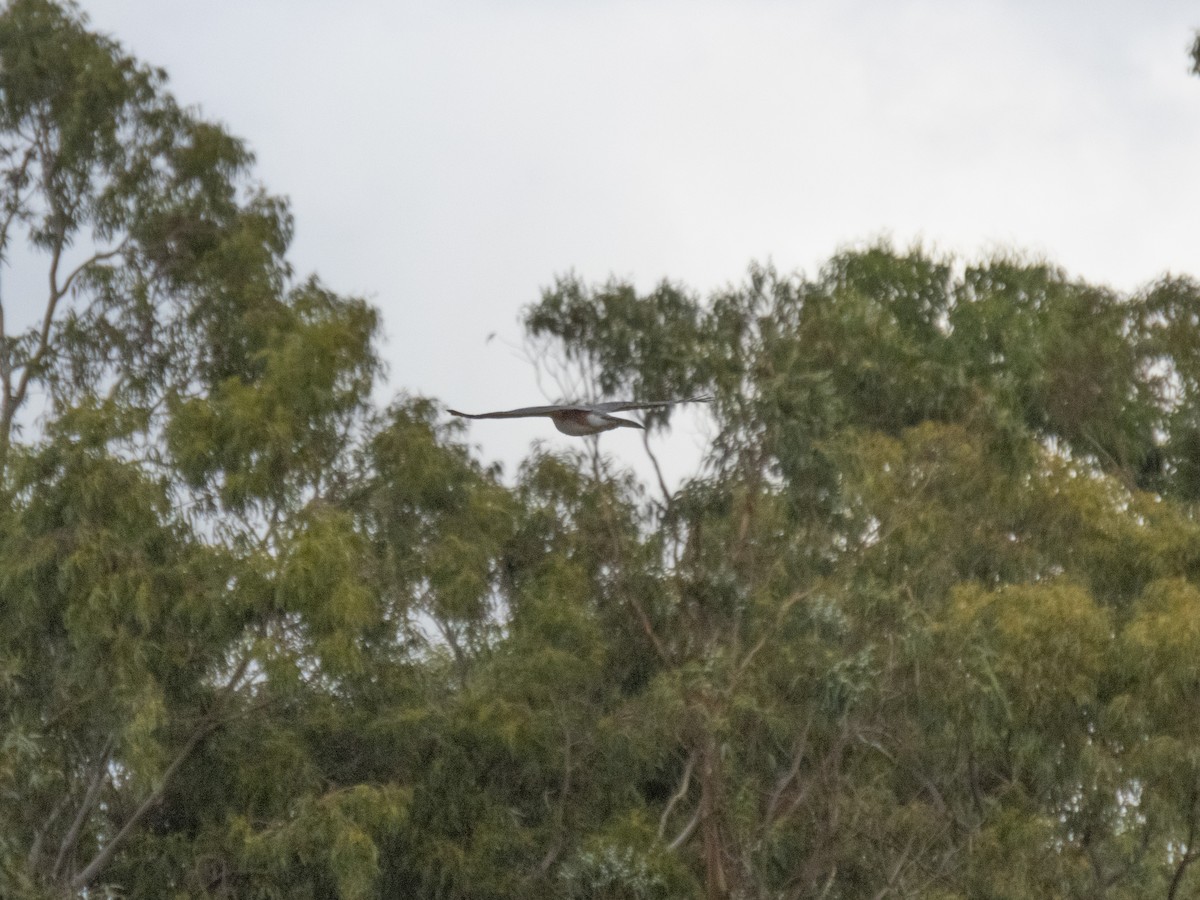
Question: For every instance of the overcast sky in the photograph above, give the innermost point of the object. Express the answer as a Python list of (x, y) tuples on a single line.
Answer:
[(448, 159)]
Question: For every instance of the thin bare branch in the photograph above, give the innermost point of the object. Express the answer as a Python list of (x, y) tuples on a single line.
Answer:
[(658, 473), (39, 838), (896, 869), (684, 783), (101, 859), (828, 766), (799, 750), (205, 727), (1191, 853), (930, 788), (15, 398), (560, 812), (780, 614), (16, 177), (71, 838), (828, 882), (97, 257), (614, 534), (688, 830)]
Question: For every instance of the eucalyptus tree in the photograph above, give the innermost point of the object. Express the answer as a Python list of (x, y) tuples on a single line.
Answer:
[(900, 644), (176, 416)]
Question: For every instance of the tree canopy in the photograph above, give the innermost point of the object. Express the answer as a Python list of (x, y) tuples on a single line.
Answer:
[(924, 623)]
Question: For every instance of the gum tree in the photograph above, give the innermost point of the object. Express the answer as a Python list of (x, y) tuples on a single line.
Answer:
[(176, 411)]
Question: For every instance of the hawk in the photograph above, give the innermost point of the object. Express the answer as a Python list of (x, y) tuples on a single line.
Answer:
[(579, 419)]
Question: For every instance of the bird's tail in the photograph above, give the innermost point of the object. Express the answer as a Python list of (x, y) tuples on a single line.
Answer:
[(625, 423)]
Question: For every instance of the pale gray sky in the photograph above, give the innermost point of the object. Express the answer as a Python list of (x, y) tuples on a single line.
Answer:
[(447, 159)]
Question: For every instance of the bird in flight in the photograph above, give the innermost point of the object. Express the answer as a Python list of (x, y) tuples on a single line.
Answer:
[(579, 419)]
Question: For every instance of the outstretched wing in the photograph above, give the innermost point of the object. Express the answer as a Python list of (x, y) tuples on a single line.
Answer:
[(609, 407), (524, 412), (619, 405)]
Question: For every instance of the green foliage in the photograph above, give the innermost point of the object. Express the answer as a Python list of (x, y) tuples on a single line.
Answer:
[(327, 846), (624, 861), (923, 624), (910, 634)]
